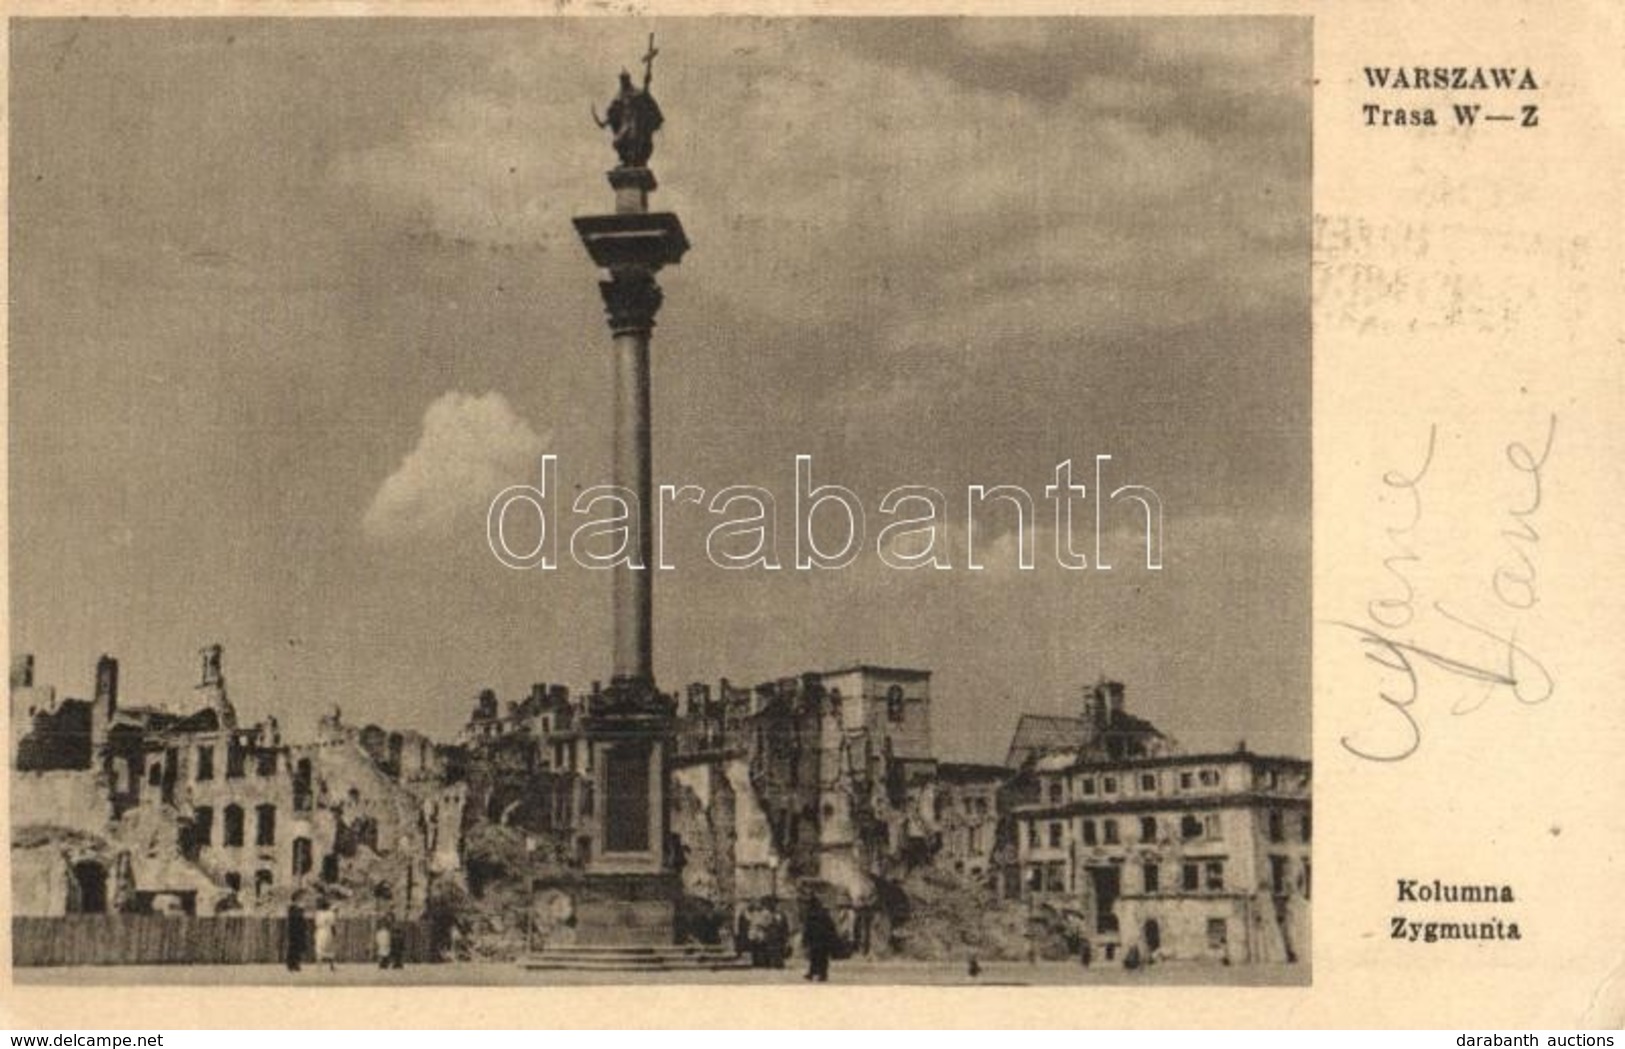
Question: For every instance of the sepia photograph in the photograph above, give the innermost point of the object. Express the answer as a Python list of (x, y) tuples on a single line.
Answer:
[(661, 500)]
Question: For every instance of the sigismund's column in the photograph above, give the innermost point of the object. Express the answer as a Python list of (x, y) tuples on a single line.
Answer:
[(629, 891)]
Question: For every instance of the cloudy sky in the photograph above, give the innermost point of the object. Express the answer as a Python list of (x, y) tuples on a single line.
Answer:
[(291, 300)]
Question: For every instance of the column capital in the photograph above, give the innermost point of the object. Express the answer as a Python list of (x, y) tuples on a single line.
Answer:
[(631, 300)]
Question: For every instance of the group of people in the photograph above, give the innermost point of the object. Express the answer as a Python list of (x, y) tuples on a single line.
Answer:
[(763, 932), (389, 946)]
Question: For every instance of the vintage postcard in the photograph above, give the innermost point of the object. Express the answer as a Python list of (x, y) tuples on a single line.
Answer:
[(794, 516)]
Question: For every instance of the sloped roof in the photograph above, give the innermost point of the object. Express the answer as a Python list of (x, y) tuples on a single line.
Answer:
[(1042, 733)]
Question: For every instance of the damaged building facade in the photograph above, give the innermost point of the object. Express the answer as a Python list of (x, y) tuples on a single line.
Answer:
[(119, 807), (1184, 856)]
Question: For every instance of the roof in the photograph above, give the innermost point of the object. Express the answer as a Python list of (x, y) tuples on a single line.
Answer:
[(906, 673), (1041, 733)]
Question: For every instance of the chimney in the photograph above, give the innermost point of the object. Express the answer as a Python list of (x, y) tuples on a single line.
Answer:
[(211, 674), (22, 671), (107, 683), (1114, 698)]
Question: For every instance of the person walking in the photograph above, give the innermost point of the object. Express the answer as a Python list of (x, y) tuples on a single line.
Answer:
[(383, 941), (818, 938), (296, 935), (326, 925)]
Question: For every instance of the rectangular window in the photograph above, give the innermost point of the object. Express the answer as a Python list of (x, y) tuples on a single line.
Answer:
[(234, 759), (233, 826), (1054, 877), (1110, 829), (1210, 777), (205, 763), (1185, 781), (265, 825), (1190, 828), (1214, 869), (1218, 934), (1277, 826), (1054, 835), (1190, 877), (203, 825), (1148, 782), (1089, 832), (1108, 785), (1148, 828), (1055, 792), (1152, 875), (1032, 835), (1088, 785), (1303, 826), (1212, 827), (155, 774)]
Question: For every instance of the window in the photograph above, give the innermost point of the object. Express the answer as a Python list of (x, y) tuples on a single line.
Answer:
[(1212, 827), (234, 825), (1190, 877), (981, 810), (1087, 785), (1032, 835), (586, 799), (1089, 832), (205, 763), (1151, 874), (1214, 871), (155, 774), (301, 857), (1190, 827), (234, 881), (1110, 829), (1185, 781), (1148, 782), (262, 883), (1209, 777), (234, 759), (265, 825), (1303, 826), (1277, 826), (1054, 835), (1108, 784), (1055, 792), (265, 764), (203, 825), (1278, 875), (1218, 934), (894, 703), (1054, 877), (1148, 828)]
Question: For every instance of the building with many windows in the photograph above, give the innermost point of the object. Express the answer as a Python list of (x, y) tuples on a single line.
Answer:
[(1184, 855)]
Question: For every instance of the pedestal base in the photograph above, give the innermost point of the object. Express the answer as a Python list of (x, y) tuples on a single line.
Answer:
[(608, 910)]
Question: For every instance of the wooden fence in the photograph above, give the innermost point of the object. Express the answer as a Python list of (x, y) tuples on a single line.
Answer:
[(151, 939)]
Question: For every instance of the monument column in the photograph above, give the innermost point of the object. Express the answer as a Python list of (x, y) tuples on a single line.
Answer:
[(628, 889)]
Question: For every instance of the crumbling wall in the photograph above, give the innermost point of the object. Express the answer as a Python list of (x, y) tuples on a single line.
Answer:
[(62, 798)]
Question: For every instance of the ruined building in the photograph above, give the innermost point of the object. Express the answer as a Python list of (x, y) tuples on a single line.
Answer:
[(121, 807)]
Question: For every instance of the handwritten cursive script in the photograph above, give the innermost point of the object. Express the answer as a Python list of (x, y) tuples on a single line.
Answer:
[(1489, 658)]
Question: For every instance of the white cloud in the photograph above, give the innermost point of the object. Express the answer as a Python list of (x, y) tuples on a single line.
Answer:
[(471, 448)]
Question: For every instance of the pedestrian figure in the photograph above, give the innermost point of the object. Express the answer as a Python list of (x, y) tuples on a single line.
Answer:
[(818, 938), (1086, 953), (742, 931), (383, 939), (974, 968), (777, 935), (296, 936), (326, 924)]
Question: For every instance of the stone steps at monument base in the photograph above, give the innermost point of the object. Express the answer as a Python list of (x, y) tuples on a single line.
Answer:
[(608, 958)]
